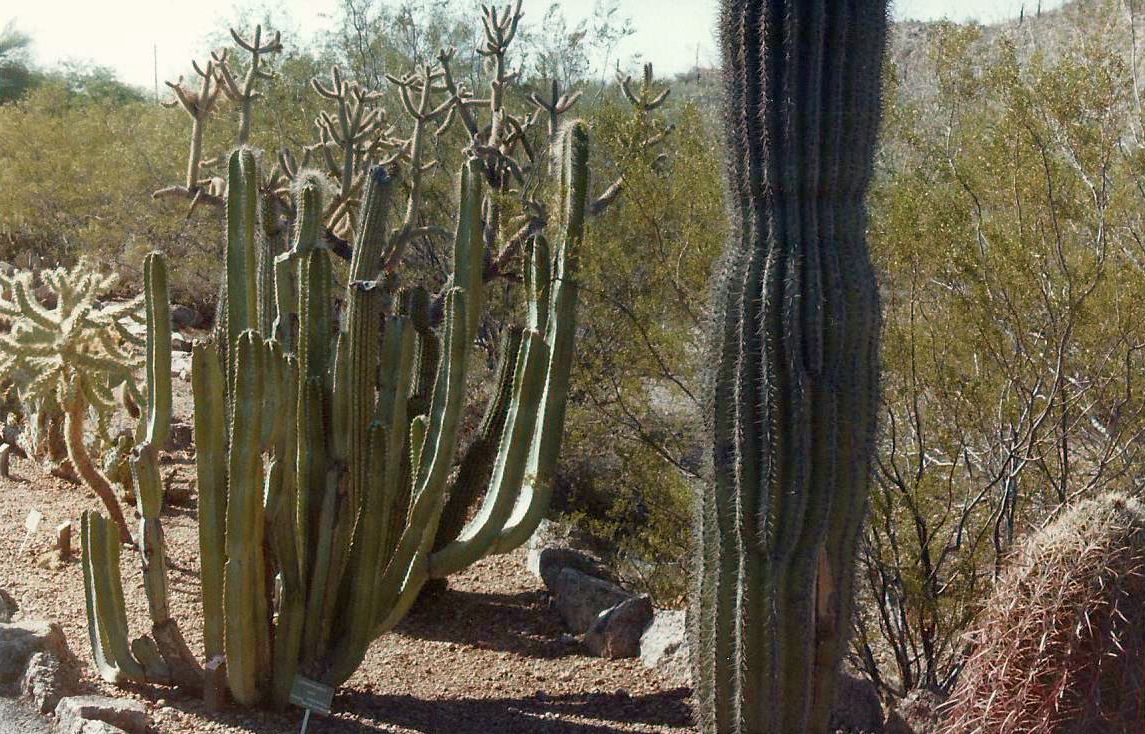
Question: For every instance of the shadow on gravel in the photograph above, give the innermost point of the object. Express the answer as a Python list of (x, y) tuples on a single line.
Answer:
[(521, 623), (582, 713)]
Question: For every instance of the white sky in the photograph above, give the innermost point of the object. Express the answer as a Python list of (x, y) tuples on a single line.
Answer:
[(123, 34)]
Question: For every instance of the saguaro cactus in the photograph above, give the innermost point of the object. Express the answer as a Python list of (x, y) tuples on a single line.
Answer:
[(795, 378)]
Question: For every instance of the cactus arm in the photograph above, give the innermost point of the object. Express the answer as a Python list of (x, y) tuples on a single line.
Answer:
[(158, 310), (476, 465), (509, 470), (207, 385), (408, 568), (240, 294), (244, 587), (100, 628), (107, 598), (314, 340), (393, 403), (362, 572), (560, 333), (469, 244)]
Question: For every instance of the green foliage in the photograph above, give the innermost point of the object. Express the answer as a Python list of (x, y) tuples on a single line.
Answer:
[(632, 458), (1006, 219), (72, 189)]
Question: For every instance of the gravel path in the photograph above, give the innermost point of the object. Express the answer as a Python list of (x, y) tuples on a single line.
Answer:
[(486, 656), (16, 719)]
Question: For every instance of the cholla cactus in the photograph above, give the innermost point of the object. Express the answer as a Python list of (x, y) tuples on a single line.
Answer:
[(70, 357)]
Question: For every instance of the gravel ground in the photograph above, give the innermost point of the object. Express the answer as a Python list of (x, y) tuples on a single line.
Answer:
[(487, 656), (17, 719)]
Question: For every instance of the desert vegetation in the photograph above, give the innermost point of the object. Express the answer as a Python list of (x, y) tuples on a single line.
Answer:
[(859, 373)]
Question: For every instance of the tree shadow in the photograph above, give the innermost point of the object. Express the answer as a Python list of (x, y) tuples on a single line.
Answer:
[(522, 623), (579, 713)]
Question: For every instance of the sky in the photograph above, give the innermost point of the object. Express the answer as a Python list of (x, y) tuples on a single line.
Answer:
[(134, 37)]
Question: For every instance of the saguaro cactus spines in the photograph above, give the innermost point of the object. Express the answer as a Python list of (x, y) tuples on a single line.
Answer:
[(795, 380)]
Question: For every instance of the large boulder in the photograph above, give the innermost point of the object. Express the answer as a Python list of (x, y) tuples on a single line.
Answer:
[(580, 598), (20, 640), (857, 708), (664, 646), (75, 713), (616, 631)]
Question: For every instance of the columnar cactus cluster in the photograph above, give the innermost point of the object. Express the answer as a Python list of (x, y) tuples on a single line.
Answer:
[(795, 381), (322, 453)]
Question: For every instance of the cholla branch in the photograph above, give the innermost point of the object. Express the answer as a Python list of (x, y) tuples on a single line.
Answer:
[(244, 94)]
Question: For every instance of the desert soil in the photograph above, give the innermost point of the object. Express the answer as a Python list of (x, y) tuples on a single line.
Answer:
[(488, 655)]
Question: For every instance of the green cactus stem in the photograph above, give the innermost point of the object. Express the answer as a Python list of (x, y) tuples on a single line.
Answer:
[(794, 388)]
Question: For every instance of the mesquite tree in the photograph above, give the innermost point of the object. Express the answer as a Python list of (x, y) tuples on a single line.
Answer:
[(795, 364)]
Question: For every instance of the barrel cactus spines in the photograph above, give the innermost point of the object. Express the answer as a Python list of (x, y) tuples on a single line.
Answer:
[(795, 364)]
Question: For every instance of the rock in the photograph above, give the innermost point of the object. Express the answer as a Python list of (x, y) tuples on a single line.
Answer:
[(185, 317), (580, 598), (48, 678), (74, 713), (550, 534), (180, 343), (177, 490), (551, 561), (181, 436), (617, 631), (917, 713), (20, 640), (8, 606), (857, 707), (97, 727), (664, 646)]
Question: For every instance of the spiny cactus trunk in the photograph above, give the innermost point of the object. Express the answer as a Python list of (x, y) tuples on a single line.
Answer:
[(795, 380)]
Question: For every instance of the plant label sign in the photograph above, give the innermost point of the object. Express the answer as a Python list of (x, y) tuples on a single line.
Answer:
[(312, 696)]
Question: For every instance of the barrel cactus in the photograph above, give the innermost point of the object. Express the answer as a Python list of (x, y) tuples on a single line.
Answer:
[(794, 387), (1059, 645)]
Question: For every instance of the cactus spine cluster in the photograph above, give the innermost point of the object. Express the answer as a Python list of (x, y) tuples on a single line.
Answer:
[(325, 452), (795, 381)]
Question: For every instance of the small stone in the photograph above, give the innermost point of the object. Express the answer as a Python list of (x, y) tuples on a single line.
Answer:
[(617, 631), (74, 713), (8, 607)]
